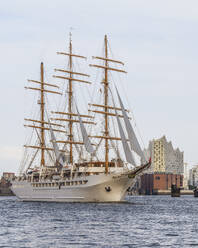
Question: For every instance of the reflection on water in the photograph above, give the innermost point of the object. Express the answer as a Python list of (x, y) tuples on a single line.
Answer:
[(146, 221)]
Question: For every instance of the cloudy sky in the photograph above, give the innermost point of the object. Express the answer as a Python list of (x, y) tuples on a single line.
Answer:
[(157, 40)]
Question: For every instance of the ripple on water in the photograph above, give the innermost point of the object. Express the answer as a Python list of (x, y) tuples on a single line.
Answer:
[(145, 221)]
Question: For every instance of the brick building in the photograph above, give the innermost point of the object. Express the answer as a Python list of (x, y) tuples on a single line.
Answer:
[(153, 183)]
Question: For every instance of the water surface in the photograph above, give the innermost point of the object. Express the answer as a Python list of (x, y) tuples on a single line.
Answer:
[(145, 221)]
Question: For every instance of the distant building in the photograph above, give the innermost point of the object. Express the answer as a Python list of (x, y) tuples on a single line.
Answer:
[(167, 167), (164, 158), (153, 183), (8, 175), (186, 176), (5, 184), (193, 176)]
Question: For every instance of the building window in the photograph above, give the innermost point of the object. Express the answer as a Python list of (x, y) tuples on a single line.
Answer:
[(157, 178)]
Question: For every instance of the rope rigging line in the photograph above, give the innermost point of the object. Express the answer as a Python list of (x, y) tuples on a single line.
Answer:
[(128, 103)]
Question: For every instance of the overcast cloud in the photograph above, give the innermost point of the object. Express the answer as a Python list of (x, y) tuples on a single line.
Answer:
[(158, 41)]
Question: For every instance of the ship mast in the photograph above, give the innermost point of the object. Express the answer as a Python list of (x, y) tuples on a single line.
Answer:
[(70, 102), (106, 107), (70, 76), (44, 124), (106, 85), (42, 118)]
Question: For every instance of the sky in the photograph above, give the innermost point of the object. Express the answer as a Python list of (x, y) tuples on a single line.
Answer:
[(157, 40)]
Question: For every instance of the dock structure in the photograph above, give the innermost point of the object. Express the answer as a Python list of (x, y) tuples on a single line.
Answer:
[(5, 184)]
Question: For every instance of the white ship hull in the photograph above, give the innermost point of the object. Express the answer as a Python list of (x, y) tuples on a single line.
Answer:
[(98, 188)]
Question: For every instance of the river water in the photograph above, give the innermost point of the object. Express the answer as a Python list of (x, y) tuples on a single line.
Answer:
[(144, 221)]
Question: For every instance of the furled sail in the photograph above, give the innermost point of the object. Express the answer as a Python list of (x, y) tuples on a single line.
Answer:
[(135, 146), (127, 151), (86, 140), (58, 155)]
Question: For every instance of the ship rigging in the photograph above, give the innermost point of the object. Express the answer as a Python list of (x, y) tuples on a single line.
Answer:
[(66, 176)]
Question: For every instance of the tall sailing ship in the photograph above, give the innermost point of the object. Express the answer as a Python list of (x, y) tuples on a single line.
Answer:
[(76, 157)]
